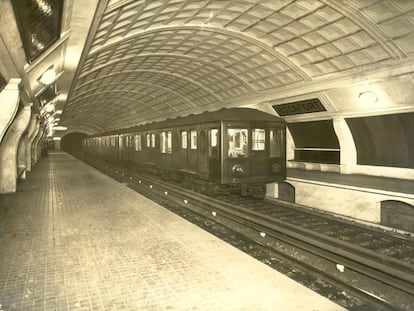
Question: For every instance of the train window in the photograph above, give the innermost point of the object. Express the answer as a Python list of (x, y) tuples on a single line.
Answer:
[(163, 145), (193, 139), (152, 140), (237, 142), (169, 142), (276, 143), (120, 142), (166, 142), (130, 139), (148, 140), (184, 139), (213, 137), (258, 139), (138, 146), (213, 143)]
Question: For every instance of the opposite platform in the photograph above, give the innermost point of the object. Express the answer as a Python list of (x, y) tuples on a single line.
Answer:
[(72, 238)]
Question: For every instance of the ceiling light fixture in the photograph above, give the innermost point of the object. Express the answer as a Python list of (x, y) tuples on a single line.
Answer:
[(60, 128), (49, 107), (50, 119)]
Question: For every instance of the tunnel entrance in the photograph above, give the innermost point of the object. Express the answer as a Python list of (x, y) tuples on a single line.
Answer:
[(72, 143)]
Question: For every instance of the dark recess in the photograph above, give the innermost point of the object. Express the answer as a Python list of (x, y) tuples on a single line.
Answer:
[(3, 82), (397, 214), (386, 140), (72, 143), (315, 134)]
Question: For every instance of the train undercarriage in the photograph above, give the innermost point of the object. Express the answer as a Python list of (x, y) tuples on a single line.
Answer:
[(193, 182)]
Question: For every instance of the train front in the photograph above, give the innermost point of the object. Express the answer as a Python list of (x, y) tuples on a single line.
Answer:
[(253, 155)]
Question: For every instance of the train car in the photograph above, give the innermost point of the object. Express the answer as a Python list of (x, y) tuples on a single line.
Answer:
[(236, 149)]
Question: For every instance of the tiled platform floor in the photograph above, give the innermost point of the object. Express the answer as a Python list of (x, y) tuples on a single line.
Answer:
[(71, 238)]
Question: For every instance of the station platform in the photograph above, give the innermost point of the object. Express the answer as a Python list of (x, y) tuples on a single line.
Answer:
[(396, 185), (72, 238), (381, 201)]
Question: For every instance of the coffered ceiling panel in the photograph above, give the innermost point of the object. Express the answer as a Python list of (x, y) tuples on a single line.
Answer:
[(149, 60)]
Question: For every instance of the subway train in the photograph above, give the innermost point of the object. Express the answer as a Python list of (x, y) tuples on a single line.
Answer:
[(228, 150)]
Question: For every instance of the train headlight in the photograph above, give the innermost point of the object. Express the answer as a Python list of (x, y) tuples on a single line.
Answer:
[(238, 170), (276, 168)]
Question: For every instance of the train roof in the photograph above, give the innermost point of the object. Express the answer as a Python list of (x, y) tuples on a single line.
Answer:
[(225, 114)]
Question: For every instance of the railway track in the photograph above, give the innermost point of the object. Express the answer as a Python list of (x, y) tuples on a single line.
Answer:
[(345, 270)]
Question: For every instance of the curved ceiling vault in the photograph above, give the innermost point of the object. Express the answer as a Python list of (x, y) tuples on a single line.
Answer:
[(149, 60)]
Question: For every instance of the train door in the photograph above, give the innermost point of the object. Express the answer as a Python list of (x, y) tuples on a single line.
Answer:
[(156, 149), (214, 153), (193, 150), (150, 148), (183, 150), (277, 152), (128, 144), (258, 152), (202, 154), (236, 159), (121, 148), (115, 149)]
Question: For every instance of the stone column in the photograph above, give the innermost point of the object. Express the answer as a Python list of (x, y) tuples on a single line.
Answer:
[(9, 102), (346, 142), (23, 151), (21, 156), (8, 150), (35, 144), (32, 131), (40, 144)]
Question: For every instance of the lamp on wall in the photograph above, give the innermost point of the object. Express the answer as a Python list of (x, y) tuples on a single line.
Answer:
[(48, 77), (368, 97)]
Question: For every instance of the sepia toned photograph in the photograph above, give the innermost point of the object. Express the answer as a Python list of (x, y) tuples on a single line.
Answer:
[(181, 155)]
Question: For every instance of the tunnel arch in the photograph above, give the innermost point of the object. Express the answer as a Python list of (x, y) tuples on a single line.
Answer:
[(72, 142)]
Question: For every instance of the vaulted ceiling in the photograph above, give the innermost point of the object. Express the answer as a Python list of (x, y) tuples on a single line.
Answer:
[(150, 60)]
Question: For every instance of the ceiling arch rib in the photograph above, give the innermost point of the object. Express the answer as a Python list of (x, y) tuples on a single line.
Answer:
[(135, 111), (261, 69), (195, 65), (228, 34), (134, 85), (292, 26), (215, 30), (132, 96), (116, 78), (223, 85), (261, 46), (120, 111), (351, 10), (100, 101), (190, 89)]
